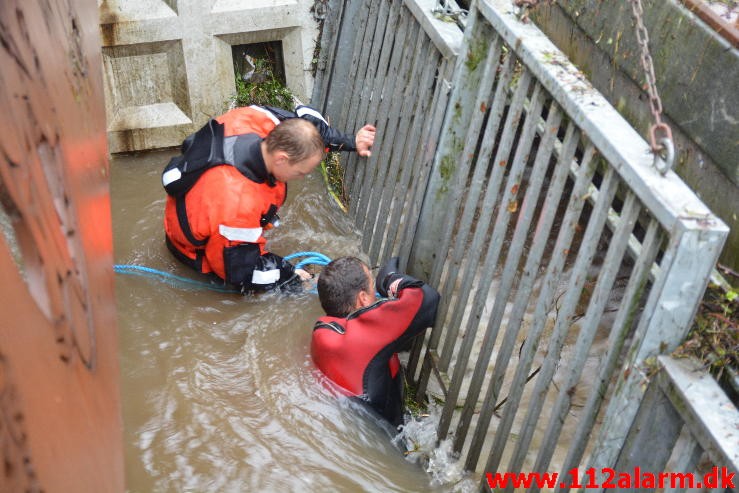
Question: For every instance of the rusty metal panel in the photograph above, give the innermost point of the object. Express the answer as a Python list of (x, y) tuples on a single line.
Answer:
[(60, 422)]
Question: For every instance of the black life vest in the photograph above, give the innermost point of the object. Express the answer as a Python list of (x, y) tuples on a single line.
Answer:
[(200, 152)]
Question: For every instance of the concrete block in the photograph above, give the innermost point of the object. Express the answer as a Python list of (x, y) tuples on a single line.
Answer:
[(168, 64)]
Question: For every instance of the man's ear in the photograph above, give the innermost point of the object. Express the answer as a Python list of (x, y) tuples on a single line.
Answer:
[(364, 299), (281, 158)]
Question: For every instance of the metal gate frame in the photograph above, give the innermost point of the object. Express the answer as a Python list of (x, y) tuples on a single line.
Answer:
[(518, 120), (693, 235)]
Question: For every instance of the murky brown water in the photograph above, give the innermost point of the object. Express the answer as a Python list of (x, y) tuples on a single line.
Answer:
[(218, 390)]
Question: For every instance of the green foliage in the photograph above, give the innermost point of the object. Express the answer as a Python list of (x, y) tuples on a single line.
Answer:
[(714, 337), (263, 88), (333, 175), (411, 404), (476, 54)]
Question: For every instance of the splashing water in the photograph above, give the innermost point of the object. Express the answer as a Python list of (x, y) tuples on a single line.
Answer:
[(418, 438)]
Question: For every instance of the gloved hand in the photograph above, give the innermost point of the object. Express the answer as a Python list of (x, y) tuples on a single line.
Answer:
[(269, 262), (388, 273)]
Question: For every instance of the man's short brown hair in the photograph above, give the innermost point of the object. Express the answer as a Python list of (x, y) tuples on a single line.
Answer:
[(339, 284), (298, 138)]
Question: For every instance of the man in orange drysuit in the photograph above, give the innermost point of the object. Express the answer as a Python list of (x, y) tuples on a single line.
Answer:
[(356, 343), (245, 157)]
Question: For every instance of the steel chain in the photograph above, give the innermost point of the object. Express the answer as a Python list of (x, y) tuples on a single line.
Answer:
[(660, 134), (449, 9)]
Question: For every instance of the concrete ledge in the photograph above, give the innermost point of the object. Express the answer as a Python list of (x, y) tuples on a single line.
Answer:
[(147, 138), (239, 5), (148, 116)]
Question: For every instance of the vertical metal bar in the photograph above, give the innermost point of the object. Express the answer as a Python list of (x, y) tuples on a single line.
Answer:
[(492, 198), (576, 282), (546, 295), (490, 262), (616, 340), (425, 158), (446, 178), (454, 176), (330, 35), (465, 219), (422, 162), (513, 259), (652, 433), (401, 198), (411, 184), (357, 74), (685, 456), (392, 92), (375, 83), (369, 56), (359, 63), (588, 328), (403, 109)]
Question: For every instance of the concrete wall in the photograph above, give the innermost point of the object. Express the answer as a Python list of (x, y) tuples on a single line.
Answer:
[(697, 73), (168, 65)]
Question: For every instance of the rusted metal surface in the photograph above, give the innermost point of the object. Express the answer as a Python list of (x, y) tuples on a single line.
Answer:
[(725, 25), (60, 426)]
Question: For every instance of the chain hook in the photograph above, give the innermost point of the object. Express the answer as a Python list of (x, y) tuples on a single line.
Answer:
[(660, 139), (446, 8), (660, 135)]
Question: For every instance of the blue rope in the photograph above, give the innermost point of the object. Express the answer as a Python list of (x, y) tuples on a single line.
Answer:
[(140, 270), (317, 255), (311, 258)]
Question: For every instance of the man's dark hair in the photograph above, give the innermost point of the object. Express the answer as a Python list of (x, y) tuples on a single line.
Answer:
[(339, 283), (297, 137)]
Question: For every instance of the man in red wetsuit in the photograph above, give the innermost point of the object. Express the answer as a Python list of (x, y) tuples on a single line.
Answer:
[(214, 221), (355, 345)]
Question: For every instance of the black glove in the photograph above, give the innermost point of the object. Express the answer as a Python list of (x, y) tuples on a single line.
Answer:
[(388, 273), (270, 261)]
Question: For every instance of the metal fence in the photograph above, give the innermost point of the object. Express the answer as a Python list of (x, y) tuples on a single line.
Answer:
[(566, 262), (388, 63)]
